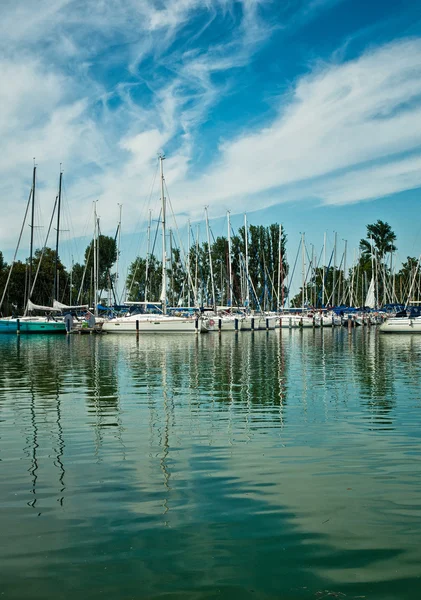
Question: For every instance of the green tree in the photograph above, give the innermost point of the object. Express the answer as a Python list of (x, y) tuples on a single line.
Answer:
[(43, 291), (82, 275), (107, 256), (383, 238), (137, 284)]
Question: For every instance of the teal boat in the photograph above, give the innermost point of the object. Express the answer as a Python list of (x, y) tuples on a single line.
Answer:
[(32, 325), (8, 325)]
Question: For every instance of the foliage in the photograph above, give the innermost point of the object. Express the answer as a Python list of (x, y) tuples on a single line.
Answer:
[(380, 238), (263, 271), (136, 285), (82, 275)]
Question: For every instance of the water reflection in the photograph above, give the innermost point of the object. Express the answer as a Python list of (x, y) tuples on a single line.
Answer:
[(258, 465)]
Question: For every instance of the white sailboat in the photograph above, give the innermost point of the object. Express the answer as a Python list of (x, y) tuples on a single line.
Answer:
[(408, 323), (163, 322)]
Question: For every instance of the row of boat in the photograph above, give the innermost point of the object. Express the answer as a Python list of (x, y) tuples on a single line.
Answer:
[(206, 321)]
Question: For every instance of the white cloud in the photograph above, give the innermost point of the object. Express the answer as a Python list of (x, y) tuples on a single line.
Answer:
[(337, 117), (330, 126)]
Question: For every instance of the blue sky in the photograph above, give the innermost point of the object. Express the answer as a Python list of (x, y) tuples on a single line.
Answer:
[(301, 112)]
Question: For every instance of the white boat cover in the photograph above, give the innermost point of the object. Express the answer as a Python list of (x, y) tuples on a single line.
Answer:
[(31, 306), (59, 306)]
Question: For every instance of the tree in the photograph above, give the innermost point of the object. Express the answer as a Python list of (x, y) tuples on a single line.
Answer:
[(137, 284), (82, 275), (107, 256), (383, 238), (43, 291)]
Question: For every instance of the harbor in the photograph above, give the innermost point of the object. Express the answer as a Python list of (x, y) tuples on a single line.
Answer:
[(210, 300)]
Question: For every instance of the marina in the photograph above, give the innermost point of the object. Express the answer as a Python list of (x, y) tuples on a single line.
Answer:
[(210, 300)]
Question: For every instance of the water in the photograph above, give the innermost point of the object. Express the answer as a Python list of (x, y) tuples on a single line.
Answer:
[(235, 466)]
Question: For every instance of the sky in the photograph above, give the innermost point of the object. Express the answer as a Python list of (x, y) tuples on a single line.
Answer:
[(300, 112)]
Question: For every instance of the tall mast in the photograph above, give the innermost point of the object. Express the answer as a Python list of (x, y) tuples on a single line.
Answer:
[(95, 273), (120, 206), (188, 261), (344, 290), (303, 270), (31, 249), (164, 246), (56, 284), (334, 270), (196, 268), (229, 260), (311, 271), (148, 257), (171, 271), (279, 266), (71, 284), (281, 272), (373, 272), (324, 269), (210, 259), (246, 244)]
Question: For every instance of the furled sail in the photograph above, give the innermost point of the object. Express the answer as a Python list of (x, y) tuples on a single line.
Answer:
[(59, 306), (32, 307), (370, 299)]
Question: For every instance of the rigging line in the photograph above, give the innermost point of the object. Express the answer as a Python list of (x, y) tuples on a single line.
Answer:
[(137, 263), (181, 244), (293, 271), (31, 291), (141, 217), (17, 249)]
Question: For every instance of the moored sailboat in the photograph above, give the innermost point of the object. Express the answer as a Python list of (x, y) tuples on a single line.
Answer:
[(158, 322)]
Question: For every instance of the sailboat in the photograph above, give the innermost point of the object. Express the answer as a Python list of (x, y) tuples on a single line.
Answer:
[(49, 322), (162, 322)]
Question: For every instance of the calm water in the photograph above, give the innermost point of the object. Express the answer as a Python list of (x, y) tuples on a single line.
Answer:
[(243, 466)]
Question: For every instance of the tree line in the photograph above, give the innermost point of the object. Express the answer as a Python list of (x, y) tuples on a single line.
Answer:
[(261, 281), (189, 277), (335, 285), (75, 286)]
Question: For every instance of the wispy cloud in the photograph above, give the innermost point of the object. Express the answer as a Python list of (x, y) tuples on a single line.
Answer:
[(340, 116), (104, 86)]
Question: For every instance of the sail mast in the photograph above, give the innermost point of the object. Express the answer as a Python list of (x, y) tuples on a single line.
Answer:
[(246, 244), (164, 246), (56, 286), (148, 254), (188, 261), (210, 259), (303, 270), (31, 249), (324, 270), (229, 260), (95, 262), (120, 206)]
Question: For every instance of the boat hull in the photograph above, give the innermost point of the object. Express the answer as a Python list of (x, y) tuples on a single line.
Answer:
[(296, 321), (154, 326), (401, 325), (8, 326), (31, 326)]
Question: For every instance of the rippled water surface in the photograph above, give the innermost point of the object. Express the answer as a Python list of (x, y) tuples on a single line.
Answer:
[(245, 465)]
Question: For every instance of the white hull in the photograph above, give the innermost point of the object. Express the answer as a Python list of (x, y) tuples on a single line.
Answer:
[(330, 321), (296, 321), (401, 325), (255, 323), (154, 324), (223, 323)]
